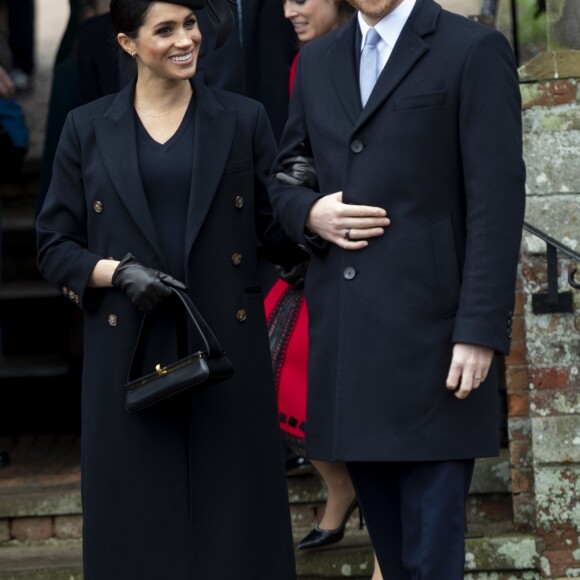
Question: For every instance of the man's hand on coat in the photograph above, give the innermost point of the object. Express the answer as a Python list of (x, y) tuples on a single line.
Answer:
[(145, 287), (346, 225), (469, 367)]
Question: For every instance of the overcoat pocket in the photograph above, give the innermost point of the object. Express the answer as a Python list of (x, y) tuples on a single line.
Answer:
[(433, 99)]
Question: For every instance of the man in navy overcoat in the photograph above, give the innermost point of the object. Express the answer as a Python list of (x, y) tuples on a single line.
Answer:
[(414, 234)]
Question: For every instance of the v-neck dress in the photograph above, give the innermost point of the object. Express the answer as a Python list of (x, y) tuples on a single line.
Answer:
[(166, 170)]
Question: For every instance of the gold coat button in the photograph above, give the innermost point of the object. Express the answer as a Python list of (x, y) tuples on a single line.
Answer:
[(241, 315), (113, 320), (77, 299), (98, 206), (236, 259), (239, 201), (64, 290), (71, 294)]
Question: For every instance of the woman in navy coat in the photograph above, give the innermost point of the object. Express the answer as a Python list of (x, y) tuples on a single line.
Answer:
[(166, 179)]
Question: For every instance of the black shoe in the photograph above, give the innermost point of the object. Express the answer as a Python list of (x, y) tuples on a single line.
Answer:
[(319, 538), (4, 458)]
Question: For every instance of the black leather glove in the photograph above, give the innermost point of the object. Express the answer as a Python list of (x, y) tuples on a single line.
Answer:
[(294, 276), (298, 170), (145, 287)]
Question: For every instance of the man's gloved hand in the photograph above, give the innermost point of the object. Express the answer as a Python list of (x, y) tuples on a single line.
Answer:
[(145, 287)]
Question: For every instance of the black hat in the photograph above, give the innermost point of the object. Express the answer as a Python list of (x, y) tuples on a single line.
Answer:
[(218, 11)]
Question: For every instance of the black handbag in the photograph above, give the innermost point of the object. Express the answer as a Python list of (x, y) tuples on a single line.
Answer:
[(199, 369)]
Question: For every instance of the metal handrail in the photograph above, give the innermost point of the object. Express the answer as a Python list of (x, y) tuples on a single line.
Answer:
[(554, 301)]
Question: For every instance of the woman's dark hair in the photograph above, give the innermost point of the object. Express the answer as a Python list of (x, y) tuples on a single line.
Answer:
[(129, 15)]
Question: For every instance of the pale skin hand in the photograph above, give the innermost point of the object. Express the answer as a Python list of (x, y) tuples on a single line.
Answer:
[(469, 367), (330, 218)]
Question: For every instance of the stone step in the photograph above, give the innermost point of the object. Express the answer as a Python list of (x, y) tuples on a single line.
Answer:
[(40, 503), (61, 561), (502, 557)]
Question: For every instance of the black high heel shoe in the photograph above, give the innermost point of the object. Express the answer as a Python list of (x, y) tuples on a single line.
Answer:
[(319, 538)]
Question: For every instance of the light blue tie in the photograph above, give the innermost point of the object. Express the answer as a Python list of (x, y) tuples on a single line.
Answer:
[(369, 65)]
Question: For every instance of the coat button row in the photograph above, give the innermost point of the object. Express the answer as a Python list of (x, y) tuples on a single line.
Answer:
[(239, 201), (356, 146), (241, 315), (349, 273), (71, 294), (236, 259), (98, 206)]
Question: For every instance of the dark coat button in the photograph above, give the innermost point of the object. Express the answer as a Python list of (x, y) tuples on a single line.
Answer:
[(509, 332), (356, 146), (239, 201), (98, 206), (236, 259), (349, 273), (241, 315)]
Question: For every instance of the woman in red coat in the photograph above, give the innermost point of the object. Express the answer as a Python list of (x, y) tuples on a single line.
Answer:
[(288, 318)]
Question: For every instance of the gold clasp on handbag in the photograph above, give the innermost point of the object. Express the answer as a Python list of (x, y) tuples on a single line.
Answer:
[(160, 370)]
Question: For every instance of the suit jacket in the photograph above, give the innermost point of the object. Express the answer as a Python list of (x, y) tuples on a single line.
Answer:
[(438, 145), (173, 464)]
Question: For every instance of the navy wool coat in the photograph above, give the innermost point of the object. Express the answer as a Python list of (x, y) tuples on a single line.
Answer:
[(439, 146), (167, 493)]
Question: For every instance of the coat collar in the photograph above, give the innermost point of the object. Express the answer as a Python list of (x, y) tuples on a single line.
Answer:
[(409, 49), (344, 66), (116, 139)]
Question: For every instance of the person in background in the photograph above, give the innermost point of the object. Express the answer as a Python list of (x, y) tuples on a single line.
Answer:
[(412, 116), (21, 37), (285, 305), (98, 63), (7, 87), (64, 94), (255, 60), (164, 183), (13, 139)]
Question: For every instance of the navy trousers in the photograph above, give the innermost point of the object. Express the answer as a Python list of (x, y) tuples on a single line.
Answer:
[(415, 514)]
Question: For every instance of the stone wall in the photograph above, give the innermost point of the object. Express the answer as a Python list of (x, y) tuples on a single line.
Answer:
[(543, 369)]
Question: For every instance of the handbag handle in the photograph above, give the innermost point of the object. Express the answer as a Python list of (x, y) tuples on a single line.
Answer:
[(210, 342), (212, 346)]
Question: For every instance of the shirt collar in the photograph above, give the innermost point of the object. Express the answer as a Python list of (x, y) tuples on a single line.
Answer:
[(389, 27)]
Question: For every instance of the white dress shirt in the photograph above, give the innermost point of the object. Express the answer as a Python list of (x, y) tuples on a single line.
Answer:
[(389, 29)]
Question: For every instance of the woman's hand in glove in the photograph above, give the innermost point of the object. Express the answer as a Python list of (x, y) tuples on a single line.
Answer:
[(145, 287)]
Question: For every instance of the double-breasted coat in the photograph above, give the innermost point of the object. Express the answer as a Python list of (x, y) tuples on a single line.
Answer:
[(194, 489), (438, 146)]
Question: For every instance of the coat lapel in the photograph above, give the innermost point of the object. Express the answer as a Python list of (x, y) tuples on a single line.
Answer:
[(117, 142), (214, 133), (410, 47), (344, 68)]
